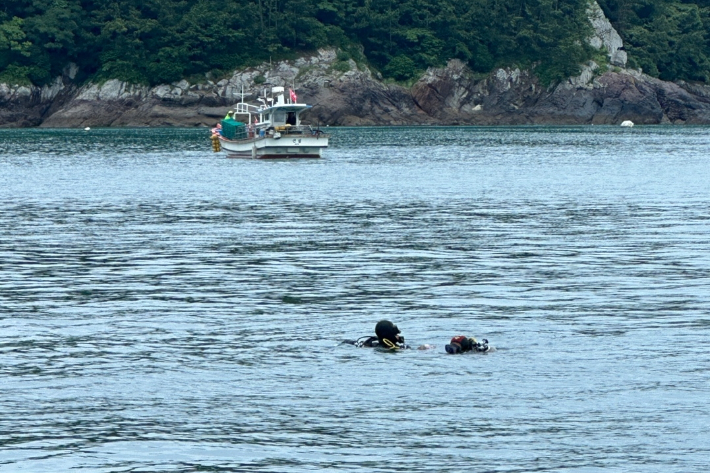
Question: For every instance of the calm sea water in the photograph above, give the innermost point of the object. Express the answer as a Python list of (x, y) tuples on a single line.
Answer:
[(163, 308)]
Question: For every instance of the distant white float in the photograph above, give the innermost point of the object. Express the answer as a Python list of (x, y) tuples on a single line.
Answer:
[(87, 129), (627, 123)]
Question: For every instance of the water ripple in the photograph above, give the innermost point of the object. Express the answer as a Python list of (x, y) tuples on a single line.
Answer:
[(177, 311)]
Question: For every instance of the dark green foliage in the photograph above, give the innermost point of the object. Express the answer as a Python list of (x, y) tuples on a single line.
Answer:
[(158, 41), (341, 66), (401, 68), (667, 39)]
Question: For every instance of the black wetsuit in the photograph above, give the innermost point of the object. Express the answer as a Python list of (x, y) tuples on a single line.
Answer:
[(387, 336), (374, 342)]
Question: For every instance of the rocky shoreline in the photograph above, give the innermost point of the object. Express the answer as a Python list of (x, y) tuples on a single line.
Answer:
[(345, 93), (448, 96)]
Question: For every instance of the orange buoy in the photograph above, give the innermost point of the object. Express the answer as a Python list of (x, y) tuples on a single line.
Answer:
[(216, 147)]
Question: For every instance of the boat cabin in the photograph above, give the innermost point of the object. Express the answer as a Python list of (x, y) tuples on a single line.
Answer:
[(275, 111)]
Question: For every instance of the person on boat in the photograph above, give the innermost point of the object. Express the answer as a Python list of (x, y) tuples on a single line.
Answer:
[(387, 335), (230, 115), (463, 344)]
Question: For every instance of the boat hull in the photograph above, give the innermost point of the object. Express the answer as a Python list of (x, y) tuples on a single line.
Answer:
[(285, 147)]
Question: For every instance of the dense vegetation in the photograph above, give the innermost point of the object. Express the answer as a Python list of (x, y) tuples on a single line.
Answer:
[(157, 41), (669, 39)]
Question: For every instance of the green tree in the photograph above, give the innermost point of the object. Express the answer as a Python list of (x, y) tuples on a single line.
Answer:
[(154, 41)]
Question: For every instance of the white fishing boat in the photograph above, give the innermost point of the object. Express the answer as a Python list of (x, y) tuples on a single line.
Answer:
[(271, 129)]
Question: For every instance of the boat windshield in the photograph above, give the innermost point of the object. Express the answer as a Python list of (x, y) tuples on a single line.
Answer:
[(279, 117)]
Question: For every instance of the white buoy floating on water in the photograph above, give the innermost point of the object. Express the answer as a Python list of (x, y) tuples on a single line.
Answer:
[(628, 123), (87, 129)]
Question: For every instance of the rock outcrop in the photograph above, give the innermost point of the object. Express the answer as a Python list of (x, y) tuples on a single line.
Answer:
[(515, 97), (605, 36), (346, 93)]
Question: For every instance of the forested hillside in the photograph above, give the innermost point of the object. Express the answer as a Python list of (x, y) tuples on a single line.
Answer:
[(159, 41), (668, 39)]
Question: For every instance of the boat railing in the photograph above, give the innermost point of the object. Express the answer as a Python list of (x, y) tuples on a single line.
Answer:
[(256, 131), (245, 108)]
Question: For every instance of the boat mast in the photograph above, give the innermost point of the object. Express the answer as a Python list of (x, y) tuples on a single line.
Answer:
[(243, 106)]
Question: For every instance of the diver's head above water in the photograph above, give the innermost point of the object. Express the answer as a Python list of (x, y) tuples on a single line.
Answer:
[(388, 333), (387, 337)]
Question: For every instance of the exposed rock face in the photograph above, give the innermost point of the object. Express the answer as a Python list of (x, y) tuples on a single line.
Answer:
[(606, 36), (115, 103), (446, 96), (22, 106), (346, 94), (515, 97)]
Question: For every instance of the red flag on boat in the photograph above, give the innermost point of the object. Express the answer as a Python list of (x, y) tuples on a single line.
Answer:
[(293, 95)]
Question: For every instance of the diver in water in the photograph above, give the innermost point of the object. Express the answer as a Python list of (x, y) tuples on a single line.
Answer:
[(387, 336), (462, 344)]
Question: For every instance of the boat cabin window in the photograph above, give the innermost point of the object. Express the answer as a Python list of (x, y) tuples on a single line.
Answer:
[(279, 118), (291, 119)]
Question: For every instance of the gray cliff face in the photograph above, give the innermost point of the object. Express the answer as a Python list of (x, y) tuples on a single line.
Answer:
[(605, 36), (446, 96), (22, 106), (516, 97)]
